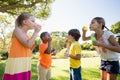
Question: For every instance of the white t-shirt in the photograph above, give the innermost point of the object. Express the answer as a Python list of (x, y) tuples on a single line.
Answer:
[(106, 54)]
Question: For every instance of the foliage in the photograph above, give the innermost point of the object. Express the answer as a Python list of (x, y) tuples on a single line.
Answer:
[(4, 18), (87, 46), (58, 40), (5, 32), (115, 28), (86, 53), (4, 55), (40, 8)]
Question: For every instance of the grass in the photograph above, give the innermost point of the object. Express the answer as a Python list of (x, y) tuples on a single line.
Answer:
[(2, 67), (90, 69)]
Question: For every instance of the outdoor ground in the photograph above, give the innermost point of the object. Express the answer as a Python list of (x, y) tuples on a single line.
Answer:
[(90, 69)]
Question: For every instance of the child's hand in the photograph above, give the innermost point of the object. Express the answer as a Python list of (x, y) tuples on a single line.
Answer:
[(84, 29), (96, 43), (49, 39), (37, 27), (54, 52), (66, 54), (67, 41)]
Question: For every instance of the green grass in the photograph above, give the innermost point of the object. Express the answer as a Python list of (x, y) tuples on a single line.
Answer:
[(90, 69), (2, 67)]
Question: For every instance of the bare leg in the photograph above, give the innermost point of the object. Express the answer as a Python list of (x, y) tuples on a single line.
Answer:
[(111, 76), (103, 75)]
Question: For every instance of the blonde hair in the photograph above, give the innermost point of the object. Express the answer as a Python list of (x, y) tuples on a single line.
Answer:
[(21, 17)]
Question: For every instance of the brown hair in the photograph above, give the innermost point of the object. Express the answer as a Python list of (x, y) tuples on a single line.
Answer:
[(101, 20), (75, 33), (21, 17)]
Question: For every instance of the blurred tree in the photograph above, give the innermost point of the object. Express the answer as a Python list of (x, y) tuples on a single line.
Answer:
[(5, 32), (40, 8), (115, 28), (87, 46), (58, 40)]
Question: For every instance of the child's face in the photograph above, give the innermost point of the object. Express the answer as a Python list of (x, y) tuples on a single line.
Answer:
[(94, 25), (70, 38), (47, 37), (30, 22)]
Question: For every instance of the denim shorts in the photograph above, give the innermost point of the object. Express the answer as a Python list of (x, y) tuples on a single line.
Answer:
[(111, 67)]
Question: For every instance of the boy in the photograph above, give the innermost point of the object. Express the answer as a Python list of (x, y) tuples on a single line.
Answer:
[(74, 54), (44, 71)]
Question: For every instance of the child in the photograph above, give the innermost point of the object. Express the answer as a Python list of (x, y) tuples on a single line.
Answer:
[(44, 71), (106, 46), (18, 66), (74, 54)]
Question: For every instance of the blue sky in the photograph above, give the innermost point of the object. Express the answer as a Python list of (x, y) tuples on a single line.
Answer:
[(68, 14)]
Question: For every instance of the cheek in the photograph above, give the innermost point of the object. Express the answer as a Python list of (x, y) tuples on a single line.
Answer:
[(47, 37), (31, 25), (69, 37), (93, 26)]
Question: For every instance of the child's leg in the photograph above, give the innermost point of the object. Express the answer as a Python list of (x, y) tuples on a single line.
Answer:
[(111, 76), (112, 69), (42, 73), (71, 74), (48, 74), (38, 71), (75, 74), (103, 75), (103, 70)]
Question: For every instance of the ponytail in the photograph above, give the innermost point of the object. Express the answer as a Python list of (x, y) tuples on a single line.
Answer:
[(106, 28)]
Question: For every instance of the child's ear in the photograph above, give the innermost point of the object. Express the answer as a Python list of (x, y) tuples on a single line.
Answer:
[(101, 24), (24, 21), (43, 38)]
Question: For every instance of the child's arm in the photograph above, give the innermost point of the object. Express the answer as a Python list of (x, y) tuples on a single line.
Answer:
[(84, 35), (77, 57), (48, 50), (34, 45), (113, 47), (21, 36), (53, 52), (67, 44)]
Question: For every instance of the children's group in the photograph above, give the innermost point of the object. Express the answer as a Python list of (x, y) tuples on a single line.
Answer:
[(18, 65)]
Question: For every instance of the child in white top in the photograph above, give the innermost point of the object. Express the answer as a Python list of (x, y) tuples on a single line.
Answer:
[(106, 46)]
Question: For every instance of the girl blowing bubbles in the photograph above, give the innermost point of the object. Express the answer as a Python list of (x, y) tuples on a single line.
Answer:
[(106, 46), (18, 66)]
